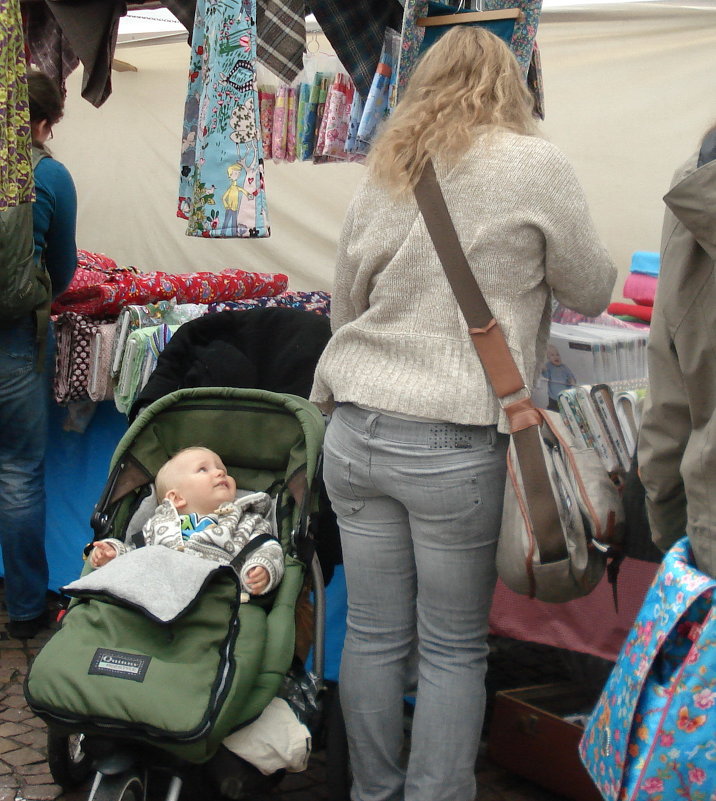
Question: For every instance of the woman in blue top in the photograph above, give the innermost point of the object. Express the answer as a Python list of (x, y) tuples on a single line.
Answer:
[(24, 387)]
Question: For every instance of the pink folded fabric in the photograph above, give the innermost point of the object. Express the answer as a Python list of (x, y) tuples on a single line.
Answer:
[(280, 124), (561, 314), (640, 288), (267, 100)]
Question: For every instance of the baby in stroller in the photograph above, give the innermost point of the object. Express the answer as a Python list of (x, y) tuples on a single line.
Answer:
[(159, 660), (201, 514)]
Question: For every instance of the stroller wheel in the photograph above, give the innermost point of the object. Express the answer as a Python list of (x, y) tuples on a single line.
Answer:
[(120, 787), (69, 764)]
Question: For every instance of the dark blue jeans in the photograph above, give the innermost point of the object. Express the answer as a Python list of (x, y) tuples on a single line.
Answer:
[(23, 423)]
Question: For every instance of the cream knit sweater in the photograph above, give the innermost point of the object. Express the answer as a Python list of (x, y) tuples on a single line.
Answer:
[(399, 341)]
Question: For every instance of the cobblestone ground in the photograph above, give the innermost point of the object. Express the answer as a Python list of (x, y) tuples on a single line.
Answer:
[(25, 775)]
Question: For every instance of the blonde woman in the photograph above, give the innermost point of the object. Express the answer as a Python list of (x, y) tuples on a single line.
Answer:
[(415, 448)]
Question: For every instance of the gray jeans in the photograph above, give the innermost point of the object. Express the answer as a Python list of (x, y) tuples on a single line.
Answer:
[(419, 508)]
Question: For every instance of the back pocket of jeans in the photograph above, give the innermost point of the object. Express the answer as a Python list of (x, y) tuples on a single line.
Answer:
[(337, 477)]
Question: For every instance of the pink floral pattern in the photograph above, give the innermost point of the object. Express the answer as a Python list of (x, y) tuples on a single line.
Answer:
[(267, 101), (652, 736), (334, 126), (113, 290), (280, 124)]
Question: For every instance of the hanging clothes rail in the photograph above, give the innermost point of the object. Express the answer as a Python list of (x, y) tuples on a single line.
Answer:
[(470, 16), (466, 16)]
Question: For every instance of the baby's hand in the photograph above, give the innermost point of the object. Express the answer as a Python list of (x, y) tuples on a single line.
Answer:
[(101, 553), (257, 579)]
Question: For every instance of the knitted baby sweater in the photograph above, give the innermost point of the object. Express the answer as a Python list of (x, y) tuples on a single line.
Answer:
[(399, 341)]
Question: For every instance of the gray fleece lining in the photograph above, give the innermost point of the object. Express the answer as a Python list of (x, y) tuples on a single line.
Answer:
[(161, 582)]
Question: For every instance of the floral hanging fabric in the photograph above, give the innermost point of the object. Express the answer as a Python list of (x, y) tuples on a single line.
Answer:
[(221, 188), (521, 40), (16, 183)]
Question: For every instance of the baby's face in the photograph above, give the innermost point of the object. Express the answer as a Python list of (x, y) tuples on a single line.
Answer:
[(554, 357), (200, 479)]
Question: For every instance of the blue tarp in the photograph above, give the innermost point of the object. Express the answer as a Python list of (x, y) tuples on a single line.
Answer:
[(76, 470)]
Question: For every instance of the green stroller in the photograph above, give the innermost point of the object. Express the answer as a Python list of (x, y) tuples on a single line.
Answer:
[(141, 700)]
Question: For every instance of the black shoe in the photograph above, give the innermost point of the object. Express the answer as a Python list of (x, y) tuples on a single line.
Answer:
[(27, 629)]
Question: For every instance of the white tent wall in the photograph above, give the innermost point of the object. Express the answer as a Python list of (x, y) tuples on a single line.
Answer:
[(124, 158), (628, 92)]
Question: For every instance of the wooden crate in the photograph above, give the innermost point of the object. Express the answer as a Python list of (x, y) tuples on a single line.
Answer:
[(529, 736)]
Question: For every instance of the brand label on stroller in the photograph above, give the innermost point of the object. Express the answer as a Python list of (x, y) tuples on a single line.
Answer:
[(119, 664)]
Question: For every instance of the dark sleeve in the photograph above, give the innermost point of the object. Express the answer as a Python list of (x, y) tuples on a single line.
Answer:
[(54, 222)]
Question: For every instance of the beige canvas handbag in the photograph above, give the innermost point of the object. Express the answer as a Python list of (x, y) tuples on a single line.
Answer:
[(563, 518)]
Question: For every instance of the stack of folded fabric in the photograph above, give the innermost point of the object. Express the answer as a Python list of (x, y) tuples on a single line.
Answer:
[(639, 288), (151, 314), (105, 292), (91, 338), (140, 358), (317, 301), (561, 314), (73, 334), (100, 354)]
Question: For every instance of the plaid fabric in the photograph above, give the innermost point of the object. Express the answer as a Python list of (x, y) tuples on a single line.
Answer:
[(48, 47), (281, 32), (356, 29)]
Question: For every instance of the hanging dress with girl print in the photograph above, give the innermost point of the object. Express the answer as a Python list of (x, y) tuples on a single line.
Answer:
[(221, 188)]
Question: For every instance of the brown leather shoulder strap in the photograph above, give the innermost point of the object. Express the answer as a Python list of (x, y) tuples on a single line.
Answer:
[(484, 330), (499, 365)]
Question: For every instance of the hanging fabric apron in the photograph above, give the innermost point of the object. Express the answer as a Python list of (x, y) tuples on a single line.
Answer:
[(221, 189), (16, 184)]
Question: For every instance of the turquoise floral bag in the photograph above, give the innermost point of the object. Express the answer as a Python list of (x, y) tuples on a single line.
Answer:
[(652, 735)]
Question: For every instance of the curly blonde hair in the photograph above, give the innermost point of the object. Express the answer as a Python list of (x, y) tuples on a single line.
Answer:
[(468, 83)]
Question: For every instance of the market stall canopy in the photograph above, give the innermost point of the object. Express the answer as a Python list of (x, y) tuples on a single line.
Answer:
[(628, 93)]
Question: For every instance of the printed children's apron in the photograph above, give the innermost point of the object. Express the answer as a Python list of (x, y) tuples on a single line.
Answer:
[(221, 189)]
